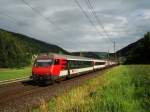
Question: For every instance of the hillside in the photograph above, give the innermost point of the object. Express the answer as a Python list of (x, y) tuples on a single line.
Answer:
[(16, 50), (96, 55), (137, 52), (125, 51)]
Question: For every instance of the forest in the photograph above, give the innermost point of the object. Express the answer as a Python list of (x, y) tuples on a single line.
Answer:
[(137, 52), (17, 50)]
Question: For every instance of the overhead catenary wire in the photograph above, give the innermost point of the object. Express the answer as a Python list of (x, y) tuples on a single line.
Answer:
[(88, 18), (98, 20), (86, 15), (38, 13), (16, 20), (44, 17), (124, 26), (11, 18), (101, 25)]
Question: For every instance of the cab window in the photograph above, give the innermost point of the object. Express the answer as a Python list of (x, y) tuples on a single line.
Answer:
[(43, 63)]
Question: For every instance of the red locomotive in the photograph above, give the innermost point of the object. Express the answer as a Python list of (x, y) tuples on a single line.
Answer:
[(48, 68)]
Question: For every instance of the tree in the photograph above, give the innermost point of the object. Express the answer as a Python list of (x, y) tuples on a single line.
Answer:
[(140, 54)]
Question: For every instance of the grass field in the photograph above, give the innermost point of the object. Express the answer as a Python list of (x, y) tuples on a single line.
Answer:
[(125, 88), (7, 74)]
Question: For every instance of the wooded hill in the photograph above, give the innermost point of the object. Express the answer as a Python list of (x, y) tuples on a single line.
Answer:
[(137, 52), (16, 50)]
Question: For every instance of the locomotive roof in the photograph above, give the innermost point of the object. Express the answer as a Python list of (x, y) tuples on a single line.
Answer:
[(69, 57)]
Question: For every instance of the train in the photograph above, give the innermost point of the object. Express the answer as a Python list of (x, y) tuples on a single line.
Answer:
[(53, 67)]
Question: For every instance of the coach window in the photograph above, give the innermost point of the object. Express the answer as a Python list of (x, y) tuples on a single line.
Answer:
[(56, 62)]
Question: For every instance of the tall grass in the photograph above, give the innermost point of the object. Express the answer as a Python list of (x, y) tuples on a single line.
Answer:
[(121, 89), (141, 82), (118, 94)]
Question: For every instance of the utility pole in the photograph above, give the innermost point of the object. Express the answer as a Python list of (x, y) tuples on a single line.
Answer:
[(81, 53), (108, 58), (114, 50), (108, 55)]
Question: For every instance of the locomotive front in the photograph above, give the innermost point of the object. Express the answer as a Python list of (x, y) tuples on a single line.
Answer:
[(42, 68)]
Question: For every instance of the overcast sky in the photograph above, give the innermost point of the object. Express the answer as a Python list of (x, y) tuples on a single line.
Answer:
[(62, 22)]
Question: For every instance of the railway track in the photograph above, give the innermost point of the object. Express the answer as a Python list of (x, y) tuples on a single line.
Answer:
[(25, 95), (13, 80)]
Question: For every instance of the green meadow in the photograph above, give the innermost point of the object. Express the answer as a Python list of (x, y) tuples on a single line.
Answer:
[(8, 74), (125, 88)]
